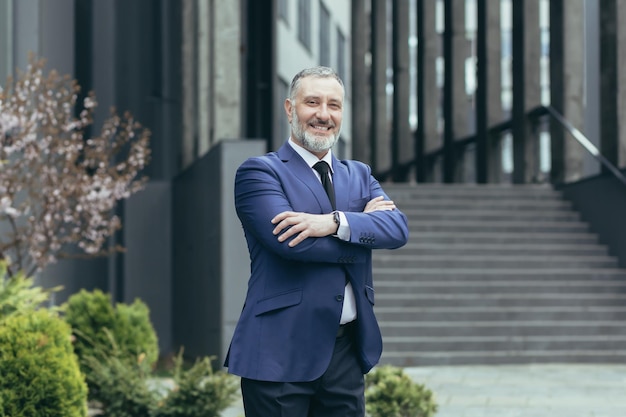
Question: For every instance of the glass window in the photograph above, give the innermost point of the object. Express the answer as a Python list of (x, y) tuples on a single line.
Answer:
[(283, 124), (304, 22), (6, 40), (324, 36), (283, 10), (341, 57)]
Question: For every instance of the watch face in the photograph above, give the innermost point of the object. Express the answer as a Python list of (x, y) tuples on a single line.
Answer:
[(336, 217)]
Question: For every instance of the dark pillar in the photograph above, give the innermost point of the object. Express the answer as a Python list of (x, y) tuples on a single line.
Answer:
[(420, 163), (259, 17), (83, 22), (449, 157), (482, 139), (381, 140), (360, 105), (557, 135), (609, 131), (403, 152), (519, 123)]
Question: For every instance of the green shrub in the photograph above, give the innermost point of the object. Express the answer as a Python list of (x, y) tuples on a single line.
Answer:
[(91, 313), (122, 388), (389, 392), (199, 391), (134, 331), (118, 382), (117, 348), (18, 294), (40, 373), (88, 313)]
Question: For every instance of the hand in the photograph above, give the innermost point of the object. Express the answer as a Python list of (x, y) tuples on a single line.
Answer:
[(302, 225), (379, 203)]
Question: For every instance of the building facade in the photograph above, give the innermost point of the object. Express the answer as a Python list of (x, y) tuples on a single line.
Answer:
[(432, 87)]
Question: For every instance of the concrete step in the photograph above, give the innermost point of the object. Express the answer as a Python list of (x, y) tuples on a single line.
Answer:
[(508, 226), (455, 249), (453, 203), (525, 274), (484, 313), (602, 342), (485, 287), (501, 299), (499, 237), (444, 213), (496, 260), (503, 329), (503, 357)]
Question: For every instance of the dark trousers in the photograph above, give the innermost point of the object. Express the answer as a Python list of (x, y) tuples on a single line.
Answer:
[(339, 392)]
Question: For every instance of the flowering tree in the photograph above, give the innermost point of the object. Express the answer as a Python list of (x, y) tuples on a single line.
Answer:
[(58, 188)]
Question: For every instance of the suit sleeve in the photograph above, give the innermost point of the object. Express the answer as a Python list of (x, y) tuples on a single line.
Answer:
[(259, 197), (378, 229)]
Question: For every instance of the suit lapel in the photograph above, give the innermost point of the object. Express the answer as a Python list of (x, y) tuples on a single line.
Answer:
[(341, 182), (299, 168)]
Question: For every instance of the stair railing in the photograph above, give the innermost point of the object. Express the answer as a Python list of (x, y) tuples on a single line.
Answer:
[(496, 131), (580, 138)]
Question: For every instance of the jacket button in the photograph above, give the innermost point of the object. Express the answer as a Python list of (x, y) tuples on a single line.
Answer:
[(339, 298)]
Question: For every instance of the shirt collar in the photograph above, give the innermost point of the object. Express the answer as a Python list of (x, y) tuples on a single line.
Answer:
[(309, 158)]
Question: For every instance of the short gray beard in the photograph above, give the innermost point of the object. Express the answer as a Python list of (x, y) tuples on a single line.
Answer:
[(310, 141)]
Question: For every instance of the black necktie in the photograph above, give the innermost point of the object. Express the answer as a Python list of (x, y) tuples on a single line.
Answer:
[(324, 170)]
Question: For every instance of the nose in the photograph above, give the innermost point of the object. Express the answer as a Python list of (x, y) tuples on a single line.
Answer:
[(322, 112)]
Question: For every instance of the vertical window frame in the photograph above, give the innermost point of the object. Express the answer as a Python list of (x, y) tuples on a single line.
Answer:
[(304, 23), (325, 34)]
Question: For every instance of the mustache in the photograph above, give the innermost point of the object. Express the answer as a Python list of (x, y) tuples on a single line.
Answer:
[(328, 123)]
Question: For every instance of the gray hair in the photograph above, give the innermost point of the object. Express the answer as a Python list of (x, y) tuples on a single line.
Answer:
[(318, 72)]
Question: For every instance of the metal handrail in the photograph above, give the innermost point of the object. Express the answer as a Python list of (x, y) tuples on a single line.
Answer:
[(586, 143), (538, 112), (507, 125)]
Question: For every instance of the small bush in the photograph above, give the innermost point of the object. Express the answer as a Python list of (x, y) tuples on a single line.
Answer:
[(91, 314), (134, 331), (199, 391), (40, 373), (118, 382), (18, 294), (389, 392), (121, 388), (117, 348)]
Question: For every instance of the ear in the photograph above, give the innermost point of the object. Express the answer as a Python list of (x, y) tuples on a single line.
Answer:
[(288, 109)]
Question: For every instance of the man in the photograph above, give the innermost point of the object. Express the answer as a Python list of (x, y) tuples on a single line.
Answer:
[(307, 333)]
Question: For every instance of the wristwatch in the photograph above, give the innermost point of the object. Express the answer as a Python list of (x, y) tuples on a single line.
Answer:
[(337, 219)]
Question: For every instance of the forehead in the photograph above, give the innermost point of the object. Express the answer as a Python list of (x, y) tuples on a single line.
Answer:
[(320, 87)]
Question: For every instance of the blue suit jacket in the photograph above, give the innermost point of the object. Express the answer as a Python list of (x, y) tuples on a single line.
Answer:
[(291, 314)]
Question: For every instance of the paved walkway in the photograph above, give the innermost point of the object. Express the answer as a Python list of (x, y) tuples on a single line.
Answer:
[(520, 390)]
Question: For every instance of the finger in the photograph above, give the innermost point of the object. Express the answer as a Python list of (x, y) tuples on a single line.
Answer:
[(298, 239), (284, 224), (289, 232), (281, 216)]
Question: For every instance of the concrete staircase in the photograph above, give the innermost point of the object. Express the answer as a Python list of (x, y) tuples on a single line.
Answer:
[(497, 274)]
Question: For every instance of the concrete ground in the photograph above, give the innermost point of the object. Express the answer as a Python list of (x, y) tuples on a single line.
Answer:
[(520, 390)]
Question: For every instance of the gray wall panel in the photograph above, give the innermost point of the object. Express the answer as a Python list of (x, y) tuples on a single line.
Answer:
[(602, 202), (209, 275), (148, 257)]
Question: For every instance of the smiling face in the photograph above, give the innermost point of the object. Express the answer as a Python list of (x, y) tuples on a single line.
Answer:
[(315, 113)]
